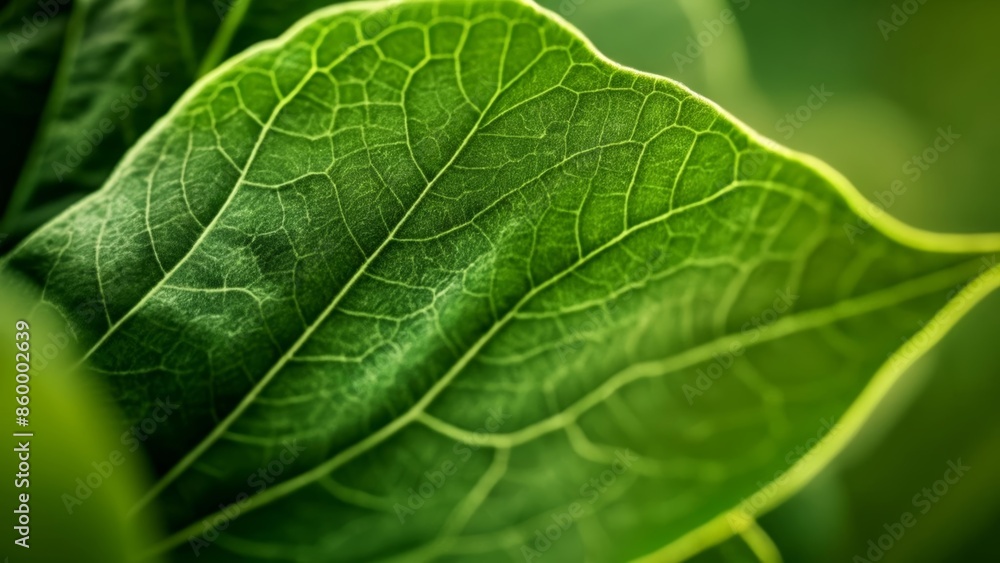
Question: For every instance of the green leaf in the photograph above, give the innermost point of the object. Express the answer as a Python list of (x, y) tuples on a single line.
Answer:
[(439, 290), (91, 76)]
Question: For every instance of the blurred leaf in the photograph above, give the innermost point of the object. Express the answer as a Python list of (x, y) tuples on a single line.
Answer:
[(80, 480), (28, 60)]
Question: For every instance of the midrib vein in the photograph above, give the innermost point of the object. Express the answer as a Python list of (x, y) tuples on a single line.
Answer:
[(223, 426), (207, 230), (232, 195)]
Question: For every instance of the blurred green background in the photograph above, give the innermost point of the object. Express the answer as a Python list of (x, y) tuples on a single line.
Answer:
[(890, 87)]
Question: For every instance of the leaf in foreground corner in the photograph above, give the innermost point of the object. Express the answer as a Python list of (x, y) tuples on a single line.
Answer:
[(350, 258), (80, 481)]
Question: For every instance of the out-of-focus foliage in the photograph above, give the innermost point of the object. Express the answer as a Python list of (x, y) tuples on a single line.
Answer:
[(84, 79), (83, 472)]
